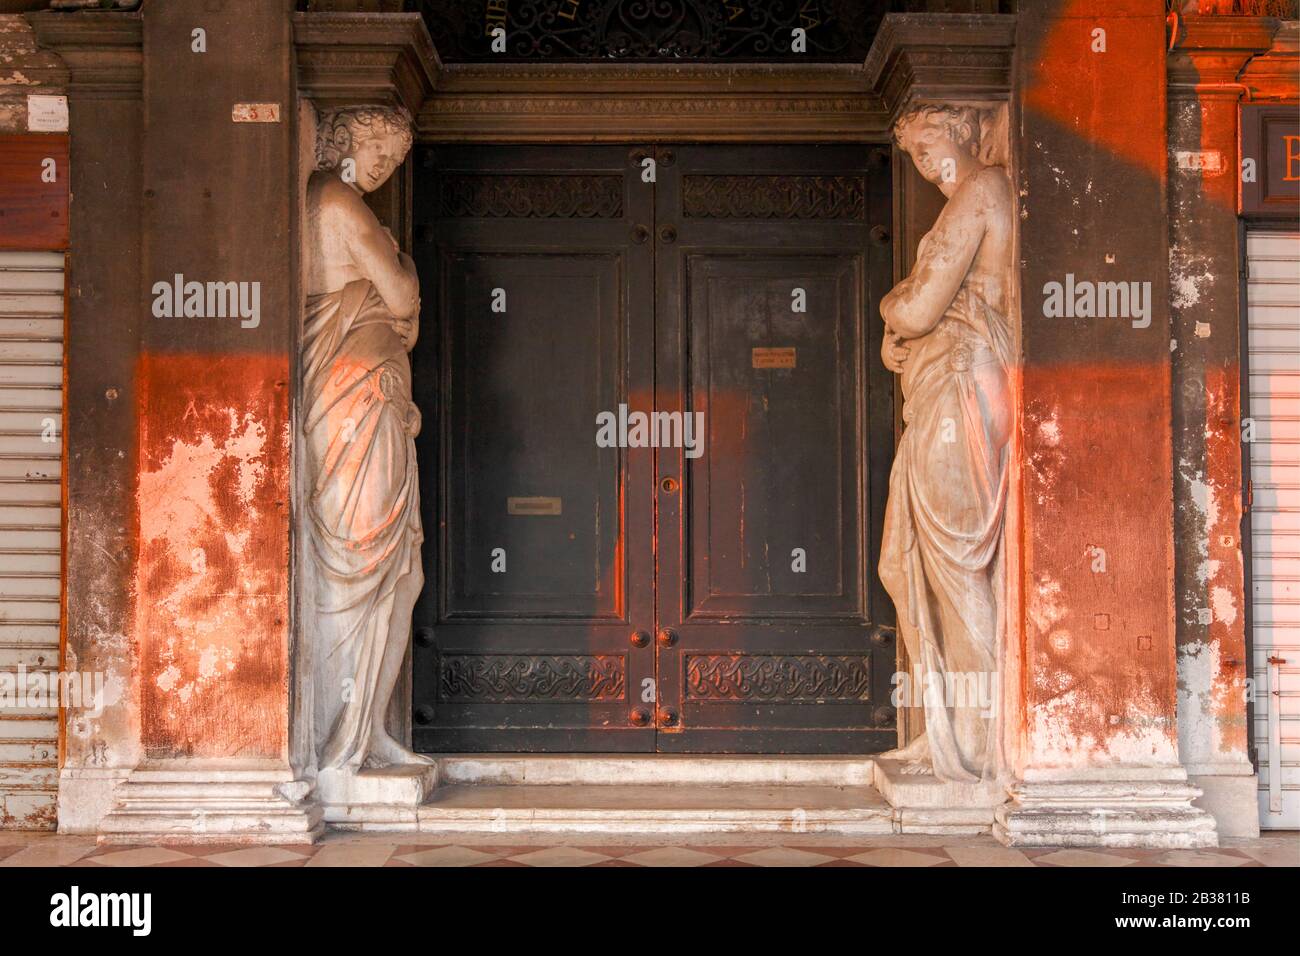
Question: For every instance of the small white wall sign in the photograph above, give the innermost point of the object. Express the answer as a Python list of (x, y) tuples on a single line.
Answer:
[(47, 114)]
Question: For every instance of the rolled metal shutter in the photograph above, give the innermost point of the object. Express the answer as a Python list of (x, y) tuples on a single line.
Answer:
[(1273, 294), (31, 521)]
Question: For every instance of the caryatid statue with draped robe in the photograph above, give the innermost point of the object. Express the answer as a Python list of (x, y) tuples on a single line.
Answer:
[(949, 334), (362, 312)]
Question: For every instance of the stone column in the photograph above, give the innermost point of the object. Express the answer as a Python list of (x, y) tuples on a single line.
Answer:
[(181, 448), (105, 66), (190, 411), (1095, 737), (1205, 294)]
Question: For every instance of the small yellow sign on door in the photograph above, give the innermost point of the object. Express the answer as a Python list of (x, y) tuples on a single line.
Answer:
[(533, 506), (773, 358)]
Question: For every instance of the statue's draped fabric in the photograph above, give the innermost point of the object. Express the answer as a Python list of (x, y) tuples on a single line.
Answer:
[(941, 554), (364, 503)]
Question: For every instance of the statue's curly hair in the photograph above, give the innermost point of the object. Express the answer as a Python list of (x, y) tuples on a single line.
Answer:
[(338, 130), (964, 123)]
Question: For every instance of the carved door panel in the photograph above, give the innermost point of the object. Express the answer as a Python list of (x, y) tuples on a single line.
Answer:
[(539, 558), (623, 599), (768, 280)]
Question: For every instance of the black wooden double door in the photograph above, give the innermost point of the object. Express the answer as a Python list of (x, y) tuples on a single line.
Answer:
[(656, 443)]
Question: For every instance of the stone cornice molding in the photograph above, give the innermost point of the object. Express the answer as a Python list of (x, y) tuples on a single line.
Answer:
[(351, 59), (1209, 52), (648, 102), (103, 52), (941, 57), (1275, 74), (612, 76)]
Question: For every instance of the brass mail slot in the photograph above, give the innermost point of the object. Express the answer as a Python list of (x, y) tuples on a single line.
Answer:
[(533, 506), (773, 358)]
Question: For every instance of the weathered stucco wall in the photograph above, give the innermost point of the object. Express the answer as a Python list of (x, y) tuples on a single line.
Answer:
[(1204, 261), (104, 317), (213, 390), (178, 428), (1098, 637), (24, 69)]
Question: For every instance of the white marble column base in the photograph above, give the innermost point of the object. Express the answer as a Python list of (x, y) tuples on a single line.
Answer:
[(1230, 795), (1114, 813), (207, 805), (86, 795)]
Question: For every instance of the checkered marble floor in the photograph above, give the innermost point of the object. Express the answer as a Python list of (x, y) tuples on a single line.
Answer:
[(338, 849)]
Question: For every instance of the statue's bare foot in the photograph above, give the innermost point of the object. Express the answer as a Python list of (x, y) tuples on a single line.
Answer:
[(387, 752), (913, 760), (917, 751)]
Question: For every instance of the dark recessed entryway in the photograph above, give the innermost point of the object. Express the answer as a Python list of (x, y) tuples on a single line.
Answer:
[(582, 598)]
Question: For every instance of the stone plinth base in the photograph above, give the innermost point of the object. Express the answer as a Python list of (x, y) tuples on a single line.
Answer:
[(924, 804), (204, 805), (87, 795), (381, 798), (1232, 799), (1111, 813)]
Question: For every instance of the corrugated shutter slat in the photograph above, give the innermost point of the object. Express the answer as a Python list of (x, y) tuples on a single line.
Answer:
[(31, 448), (1273, 335)]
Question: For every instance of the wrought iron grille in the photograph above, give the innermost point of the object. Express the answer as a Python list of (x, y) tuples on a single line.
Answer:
[(648, 30)]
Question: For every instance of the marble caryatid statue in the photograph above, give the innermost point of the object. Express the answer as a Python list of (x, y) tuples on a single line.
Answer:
[(949, 334), (363, 302)]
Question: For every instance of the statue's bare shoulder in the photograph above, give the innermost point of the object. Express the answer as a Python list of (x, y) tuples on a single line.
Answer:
[(993, 201), (986, 192), (995, 180), (994, 186), (332, 199)]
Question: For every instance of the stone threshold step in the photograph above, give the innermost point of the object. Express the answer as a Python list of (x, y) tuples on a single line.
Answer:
[(647, 809), (653, 770)]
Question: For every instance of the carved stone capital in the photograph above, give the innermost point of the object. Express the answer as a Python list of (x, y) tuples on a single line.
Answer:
[(103, 52), (371, 58), (1210, 51), (941, 57), (1275, 74)]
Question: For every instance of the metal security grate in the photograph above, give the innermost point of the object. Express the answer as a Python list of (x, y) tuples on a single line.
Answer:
[(31, 515), (1273, 293)]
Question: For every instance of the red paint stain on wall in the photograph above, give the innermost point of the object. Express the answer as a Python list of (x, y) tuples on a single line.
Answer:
[(1098, 632), (1223, 574), (212, 580), (1092, 92)]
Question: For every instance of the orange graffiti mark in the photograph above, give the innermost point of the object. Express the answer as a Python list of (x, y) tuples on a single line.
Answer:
[(1091, 92), (1224, 579), (213, 538), (1097, 532)]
